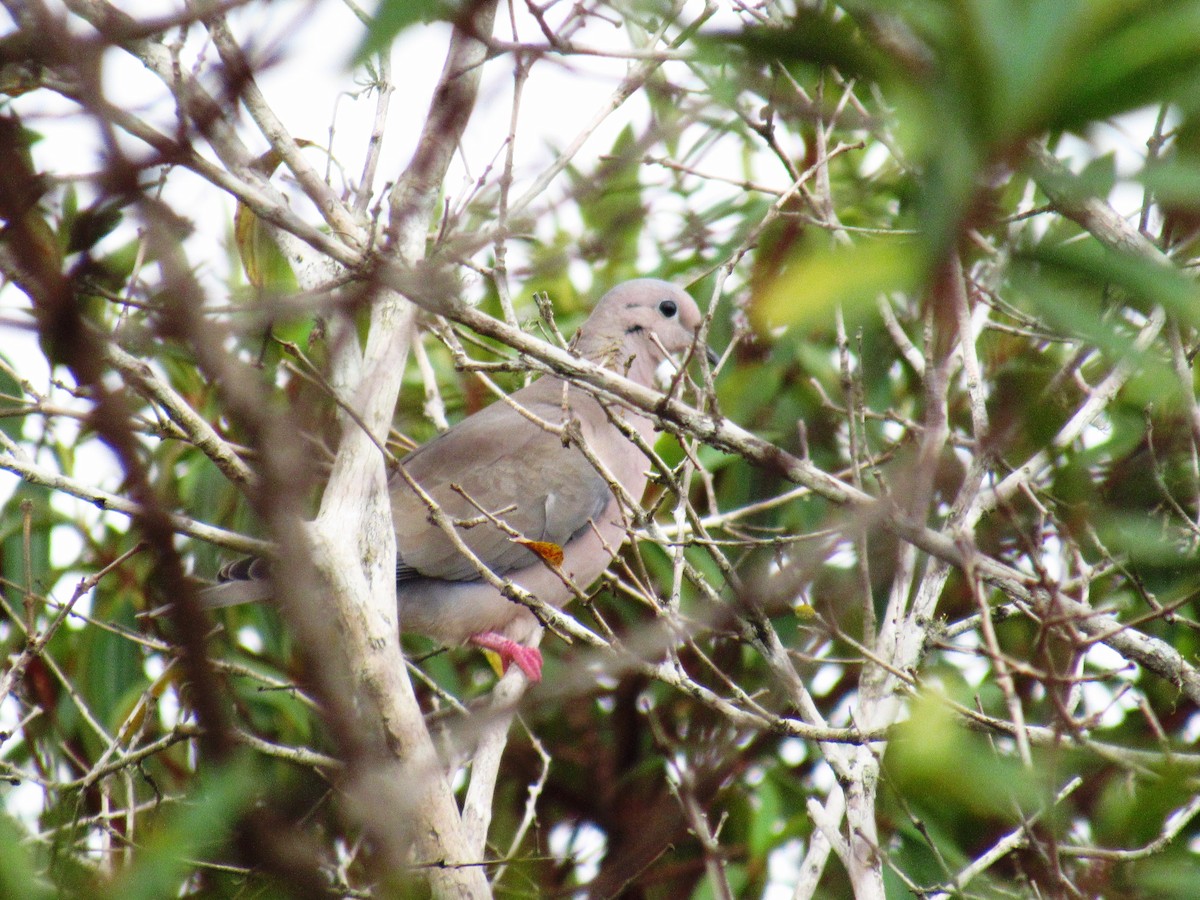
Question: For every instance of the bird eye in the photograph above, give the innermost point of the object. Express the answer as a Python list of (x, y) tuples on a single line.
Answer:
[(668, 308)]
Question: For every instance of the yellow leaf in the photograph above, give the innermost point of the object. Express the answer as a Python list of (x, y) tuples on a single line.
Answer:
[(496, 661), (263, 261), (137, 717), (547, 550)]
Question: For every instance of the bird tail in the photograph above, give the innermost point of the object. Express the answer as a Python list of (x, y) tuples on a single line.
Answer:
[(241, 581), (235, 593), (246, 580)]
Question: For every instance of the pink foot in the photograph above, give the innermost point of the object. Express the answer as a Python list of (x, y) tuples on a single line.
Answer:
[(528, 659)]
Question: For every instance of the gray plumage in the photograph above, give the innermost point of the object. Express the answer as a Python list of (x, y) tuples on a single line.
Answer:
[(522, 474)]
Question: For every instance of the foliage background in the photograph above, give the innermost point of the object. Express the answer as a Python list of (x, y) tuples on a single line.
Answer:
[(922, 297)]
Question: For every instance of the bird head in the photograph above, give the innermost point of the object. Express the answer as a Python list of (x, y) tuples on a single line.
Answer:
[(645, 320)]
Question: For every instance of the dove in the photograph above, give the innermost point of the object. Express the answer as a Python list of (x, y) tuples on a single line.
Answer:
[(525, 499)]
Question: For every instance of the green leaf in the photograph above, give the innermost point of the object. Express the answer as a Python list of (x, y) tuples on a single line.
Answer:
[(265, 265), (11, 393), (395, 16), (43, 518), (109, 664), (612, 209), (936, 759), (1172, 876), (766, 815), (1145, 52), (811, 37), (1008, 62), (1144, 540), (815, 281), (18, 869), (1175, 186), (93, 224), (1144, 280), (191, 828)]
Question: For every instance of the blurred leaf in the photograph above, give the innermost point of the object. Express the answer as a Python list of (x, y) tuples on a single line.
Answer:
[(42, 520), (1172, 876), (90, 226), (1132, 812), (1066, 286), (817, 280), (264, 263), (110, 665), (766, 817), (1009, 61), (611, 206), (1056, 64), (1142, 52), (1098, 177), (935, 761), (20, 874), (1144, 539), (394, 16), (11, 394), (1175, 185), (139, 705), (811, 37), (192, 827), (115, 267), (1145, 280)]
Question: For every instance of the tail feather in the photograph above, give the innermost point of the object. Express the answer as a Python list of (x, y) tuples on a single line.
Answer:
[(236, 592), (248, 568), (242, 581), (245, 580)]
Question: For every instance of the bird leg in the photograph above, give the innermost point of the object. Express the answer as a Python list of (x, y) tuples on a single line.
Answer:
[(528, 659)]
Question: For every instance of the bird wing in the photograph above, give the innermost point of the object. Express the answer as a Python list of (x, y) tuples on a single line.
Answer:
[(512, 468)]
